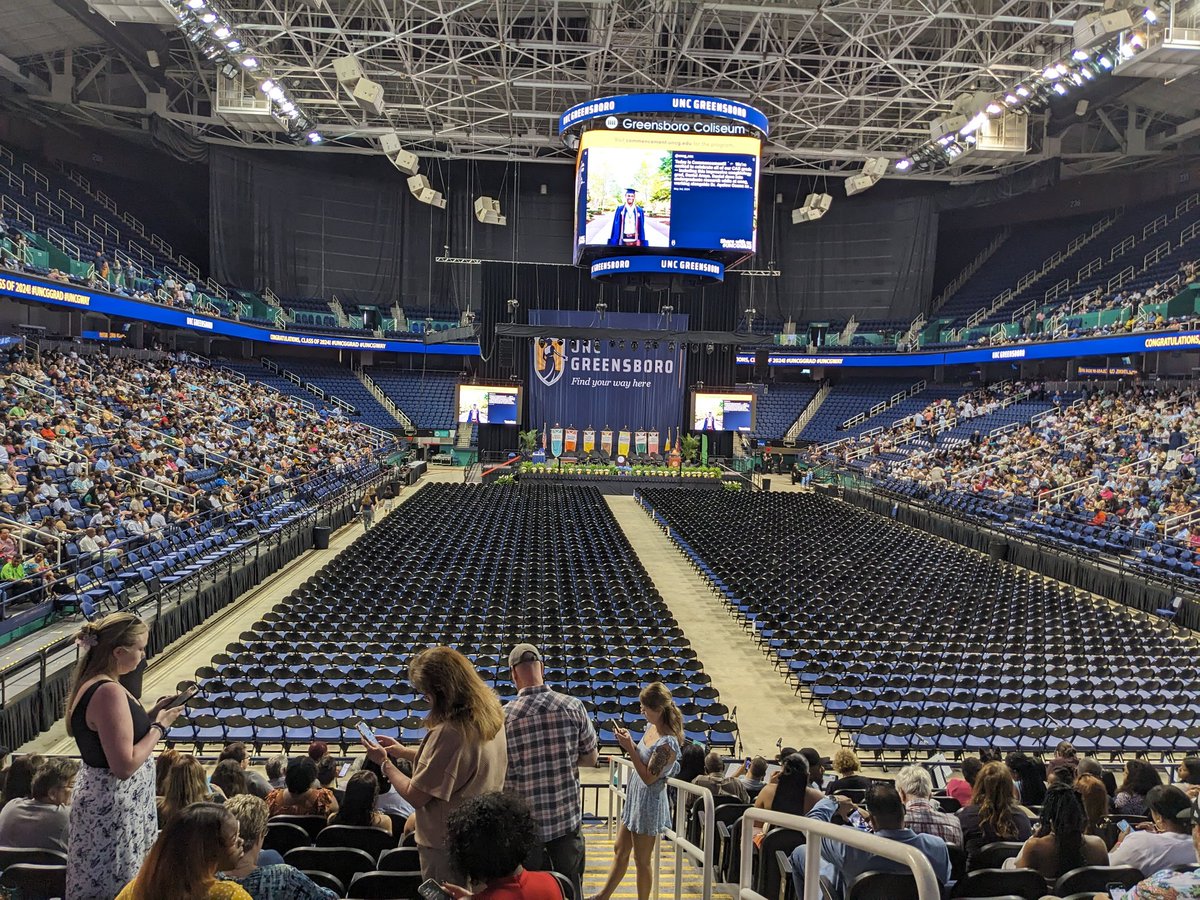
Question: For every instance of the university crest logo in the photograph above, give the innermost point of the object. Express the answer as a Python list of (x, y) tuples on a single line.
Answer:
[(550, 358)]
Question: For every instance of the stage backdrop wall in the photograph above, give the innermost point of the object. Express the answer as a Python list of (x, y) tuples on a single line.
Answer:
[(591, 385)]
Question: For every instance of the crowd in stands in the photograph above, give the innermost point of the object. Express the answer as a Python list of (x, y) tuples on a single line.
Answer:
[(1124, 458), (102, 456)]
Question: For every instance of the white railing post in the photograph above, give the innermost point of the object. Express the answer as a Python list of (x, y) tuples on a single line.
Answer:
[(620, 771), (927, 883)]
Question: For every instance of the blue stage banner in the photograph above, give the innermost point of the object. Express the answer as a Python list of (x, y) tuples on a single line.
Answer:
[(606, 385), (55, 293)]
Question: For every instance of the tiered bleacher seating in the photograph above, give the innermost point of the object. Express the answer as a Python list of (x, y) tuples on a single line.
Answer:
[(427, 398), (1025, 249), (912, 644), (478, 568), (845, 400), (340, 382), (779, 405)]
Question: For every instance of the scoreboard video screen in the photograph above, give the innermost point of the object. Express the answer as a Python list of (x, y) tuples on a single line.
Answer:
[(486, 404), (723, 411), (667, 191)]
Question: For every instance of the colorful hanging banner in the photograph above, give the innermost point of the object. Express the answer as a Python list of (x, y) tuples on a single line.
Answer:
[(589, 440), (652, 439), (571, 440), (606, 442), (639, 443), (623, 443), (556, 442)]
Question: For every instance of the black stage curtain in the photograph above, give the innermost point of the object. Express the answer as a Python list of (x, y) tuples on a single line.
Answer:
[(303, 232)]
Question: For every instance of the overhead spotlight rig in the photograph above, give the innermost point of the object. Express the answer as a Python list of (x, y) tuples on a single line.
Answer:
[(1104, 41), (218, 39)]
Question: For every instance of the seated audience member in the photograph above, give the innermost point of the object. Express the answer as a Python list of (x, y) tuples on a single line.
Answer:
[(755, 778), (228, 778), (18, 778), (301, 796), (1064, 756), (916, 790), (817, 766), (327, 771), (185, 783), (261, 879), (1164, 842), (317, 751), (714, 779), (961, 789), (841, 863), (1030, 776), (993, 813), (1090, 766), (184, 860), (1189, 775), (1139, 778), (162, 765), (41, 820), (1169, 884), (389, 800), (691, 762), (1060, 842), (358, 804), (789, 791), (255, 783), (1095, 803), (849, 771), (488, 838), (276, 766)]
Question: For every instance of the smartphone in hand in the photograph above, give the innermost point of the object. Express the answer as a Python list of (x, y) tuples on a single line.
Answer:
[(189, 690), (431, 890), (367, 734)]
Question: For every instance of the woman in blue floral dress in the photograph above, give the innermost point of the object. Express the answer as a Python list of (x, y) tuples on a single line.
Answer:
[(647, 808)]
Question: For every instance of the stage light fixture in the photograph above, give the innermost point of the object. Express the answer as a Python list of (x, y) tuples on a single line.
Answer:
[(208, 18), (671, 347), (633, 346), (221, 32), (314, 137), (903, 165), (622, 346), (195, 4), (250, 63)]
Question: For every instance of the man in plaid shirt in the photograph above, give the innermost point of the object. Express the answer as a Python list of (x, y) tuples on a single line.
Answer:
[(549, 737), (916, 788)]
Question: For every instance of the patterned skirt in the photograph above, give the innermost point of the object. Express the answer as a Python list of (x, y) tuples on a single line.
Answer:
[(113, 825)]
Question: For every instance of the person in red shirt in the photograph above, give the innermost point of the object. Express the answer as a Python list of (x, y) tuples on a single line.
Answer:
[(488, 838)]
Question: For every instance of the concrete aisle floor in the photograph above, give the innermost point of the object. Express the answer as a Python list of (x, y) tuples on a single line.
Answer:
[(767, 711)]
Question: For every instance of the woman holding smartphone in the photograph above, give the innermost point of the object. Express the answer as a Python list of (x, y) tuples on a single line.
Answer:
[(647, 812), (114, 820), (463, 754)]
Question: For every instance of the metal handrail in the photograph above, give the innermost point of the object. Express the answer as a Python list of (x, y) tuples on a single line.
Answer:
[(909, 855)]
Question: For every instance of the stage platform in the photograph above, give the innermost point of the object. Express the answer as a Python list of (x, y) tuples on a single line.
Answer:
[(623, 480)]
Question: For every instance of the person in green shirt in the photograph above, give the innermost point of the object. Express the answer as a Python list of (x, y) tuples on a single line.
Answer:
[(16, 580)]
